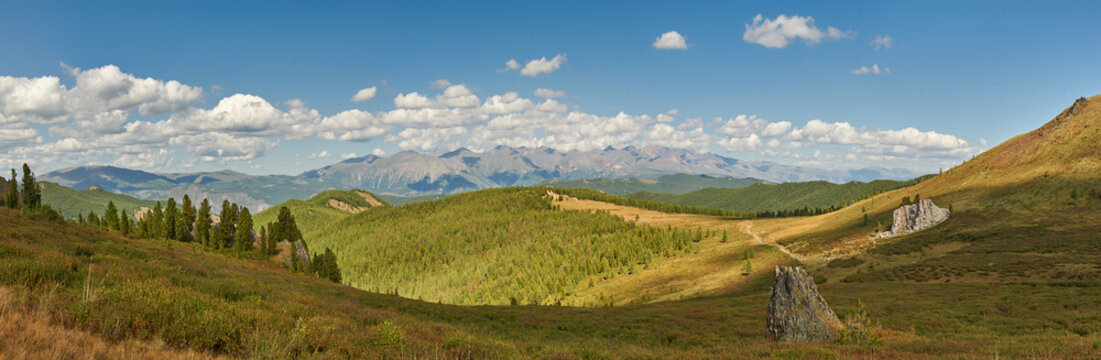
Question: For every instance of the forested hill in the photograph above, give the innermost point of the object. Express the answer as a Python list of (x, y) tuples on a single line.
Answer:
[(322, 209), (671, 184), (495, 246), (779, 197), (71, 202)]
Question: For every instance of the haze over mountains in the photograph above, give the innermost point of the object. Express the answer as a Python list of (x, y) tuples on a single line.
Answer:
[(410, 173)]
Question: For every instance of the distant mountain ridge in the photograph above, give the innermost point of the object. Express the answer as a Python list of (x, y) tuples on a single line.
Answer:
[(410, 173)]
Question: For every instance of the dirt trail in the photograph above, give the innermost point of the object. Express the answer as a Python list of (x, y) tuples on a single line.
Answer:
[(748, 227), (707, 222)]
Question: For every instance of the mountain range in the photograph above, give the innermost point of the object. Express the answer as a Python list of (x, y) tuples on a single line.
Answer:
[(410, 173)]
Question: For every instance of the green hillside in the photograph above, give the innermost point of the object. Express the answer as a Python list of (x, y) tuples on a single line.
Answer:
[(72, 202), (316, 212), (496, 246), (774, 197), (670, 184)]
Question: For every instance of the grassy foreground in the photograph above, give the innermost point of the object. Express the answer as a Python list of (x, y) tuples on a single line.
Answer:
[(82, 286)]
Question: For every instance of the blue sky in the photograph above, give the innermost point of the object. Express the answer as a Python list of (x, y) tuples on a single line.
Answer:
[(268, 89)]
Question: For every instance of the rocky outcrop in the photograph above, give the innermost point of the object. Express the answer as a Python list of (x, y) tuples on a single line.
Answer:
[(298, 253), (796, 312), (916, 217)]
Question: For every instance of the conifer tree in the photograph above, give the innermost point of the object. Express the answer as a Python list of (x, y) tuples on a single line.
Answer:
[(202, 224), (124, 223), (243, 240), (186, 220), (156, 221), (112, 216), (31, 196), (263, 242), (80, 219), (171, 216), (13, 191)]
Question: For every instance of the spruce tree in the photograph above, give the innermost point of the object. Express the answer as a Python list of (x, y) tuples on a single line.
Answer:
[(243, 240), (202, 224), (31, 196), (13, 191), (170, 220), (112, 216), (124, 223), (156, 221), (186, 220), (263, 240)]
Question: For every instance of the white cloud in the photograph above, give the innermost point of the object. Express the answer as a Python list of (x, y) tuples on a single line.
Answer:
[(666, 135), (549, 94), (441, 84), (776, 129), (424, 139), (159, 159), (777, 33), (454, 96), (346, 156), (882, 42), (874, 70), (17, 136), (538, 66), (746, 143), (670, 41), (243, 113), (351, 125), (222, 147), (909, 142), (378, 152), (97, 91), (365, 94), (508, 103), (319, 155)]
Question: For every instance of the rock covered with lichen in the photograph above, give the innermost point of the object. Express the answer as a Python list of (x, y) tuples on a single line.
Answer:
[(796, 312)]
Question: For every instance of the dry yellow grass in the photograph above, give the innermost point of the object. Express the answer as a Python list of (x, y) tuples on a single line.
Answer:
[(30, 334), (717, 268), (1024, 174)]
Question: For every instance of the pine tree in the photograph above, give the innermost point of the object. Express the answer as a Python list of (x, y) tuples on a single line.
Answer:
[(747, 266), (186, 220), (31, 196), (263, 248), (724, 236), (171, 216), (80, 219), (13, 191), (124, 223), (243, 240), (156, 221), (223, 232), (202, 224), (112, 216)]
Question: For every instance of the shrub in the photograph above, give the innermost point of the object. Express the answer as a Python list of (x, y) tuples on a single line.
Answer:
[(859, 329)]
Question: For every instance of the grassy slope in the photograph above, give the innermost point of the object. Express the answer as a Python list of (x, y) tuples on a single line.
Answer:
[(1014, 216), (159, 298), (315, 212), (785, 196), (672, 184), (71, 202)]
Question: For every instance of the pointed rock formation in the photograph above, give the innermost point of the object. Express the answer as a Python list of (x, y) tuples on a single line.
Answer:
[(916, 217), (796, 313)]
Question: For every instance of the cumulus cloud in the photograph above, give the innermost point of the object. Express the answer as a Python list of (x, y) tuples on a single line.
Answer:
[(670, 41), (378, 152), (453, 96), (222, 147), (441, 84), (549, 94), (908, 141), (319, 155), (874, 70), (424, 139), (537, 66), (346, 156), (779, 32), (241, 113), (159, 159), (743, 143), (882, 42), (97, 91), (365, 94), (352, 125)]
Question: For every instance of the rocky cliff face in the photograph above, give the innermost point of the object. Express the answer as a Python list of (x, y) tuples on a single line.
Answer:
[(916, 217), (796, 312)]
